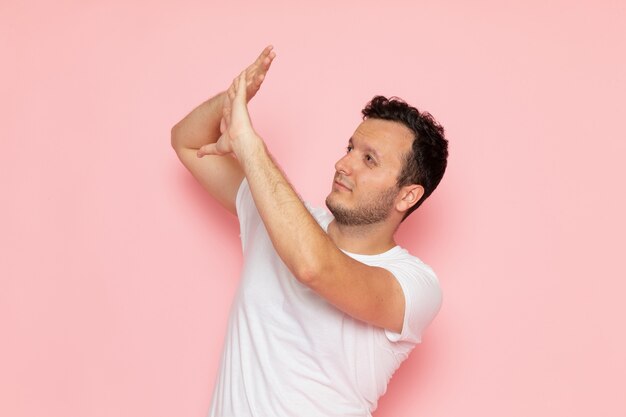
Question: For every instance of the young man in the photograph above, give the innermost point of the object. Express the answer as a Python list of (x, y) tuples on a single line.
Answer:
[(328, 306)]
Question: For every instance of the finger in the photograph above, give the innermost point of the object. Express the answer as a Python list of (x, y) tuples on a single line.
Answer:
[(237, 84), (240, 90), (226, 112), (260, 66), (259, 79), (258, 62), (228, 94), (268, 60), (266, 51), (222, 125), (231, 90), (262, 63), (210, 149), (218, 148)]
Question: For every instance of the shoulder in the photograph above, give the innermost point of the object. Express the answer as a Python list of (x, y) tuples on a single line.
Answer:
[(399, 258), (417, 279), (403, 260), (421, 289), (412, 271)]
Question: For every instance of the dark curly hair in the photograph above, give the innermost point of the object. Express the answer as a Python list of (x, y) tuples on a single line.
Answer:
[(426, 162)]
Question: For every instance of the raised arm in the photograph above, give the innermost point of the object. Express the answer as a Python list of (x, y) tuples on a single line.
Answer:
[(370, 294), (219, 176)]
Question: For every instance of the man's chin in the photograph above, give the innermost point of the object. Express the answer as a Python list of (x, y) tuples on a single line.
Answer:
[(330, 203), (336, 209)]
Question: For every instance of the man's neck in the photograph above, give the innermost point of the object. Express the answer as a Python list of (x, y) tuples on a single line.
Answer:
[(371, 239)]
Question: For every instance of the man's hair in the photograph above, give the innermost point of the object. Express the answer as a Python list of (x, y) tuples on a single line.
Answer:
[(426, 162)]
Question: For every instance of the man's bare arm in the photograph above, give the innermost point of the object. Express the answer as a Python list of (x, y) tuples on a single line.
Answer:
[(219, 176), (367, 293)]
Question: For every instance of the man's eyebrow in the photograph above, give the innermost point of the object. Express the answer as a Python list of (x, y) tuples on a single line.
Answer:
[(366, 148)]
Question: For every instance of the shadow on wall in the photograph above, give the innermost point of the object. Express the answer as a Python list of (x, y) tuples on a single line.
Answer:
[(218, 222), (413, 377)]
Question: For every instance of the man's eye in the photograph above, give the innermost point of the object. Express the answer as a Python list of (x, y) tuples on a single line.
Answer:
[(348, 148)]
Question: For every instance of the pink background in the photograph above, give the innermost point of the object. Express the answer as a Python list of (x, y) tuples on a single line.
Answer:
[(117, 270)]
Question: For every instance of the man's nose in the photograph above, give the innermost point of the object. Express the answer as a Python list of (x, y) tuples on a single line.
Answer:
[(343, 165)]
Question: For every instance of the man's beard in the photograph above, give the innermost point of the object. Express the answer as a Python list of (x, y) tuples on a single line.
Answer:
[(373, 211)]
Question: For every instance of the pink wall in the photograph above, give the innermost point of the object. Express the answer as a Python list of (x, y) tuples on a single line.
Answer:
[(117, 270)]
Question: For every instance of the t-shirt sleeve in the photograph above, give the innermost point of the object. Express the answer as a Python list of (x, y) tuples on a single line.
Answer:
[(422, 299)]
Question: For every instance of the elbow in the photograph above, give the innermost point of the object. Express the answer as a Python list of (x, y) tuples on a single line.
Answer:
[(307, 276), (174, 136), (317, 265), (309, 273)]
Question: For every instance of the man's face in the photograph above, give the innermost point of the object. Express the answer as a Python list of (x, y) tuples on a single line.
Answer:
[(364, 189)]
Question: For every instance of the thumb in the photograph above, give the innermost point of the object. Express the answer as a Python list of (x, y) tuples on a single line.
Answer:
[(241, 93), (210, 149)]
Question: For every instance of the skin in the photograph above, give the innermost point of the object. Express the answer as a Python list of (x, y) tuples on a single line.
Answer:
[(367, 293), (370, 169), (219, 176)]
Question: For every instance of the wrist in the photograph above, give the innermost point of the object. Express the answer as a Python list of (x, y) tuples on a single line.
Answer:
[(248, 146)]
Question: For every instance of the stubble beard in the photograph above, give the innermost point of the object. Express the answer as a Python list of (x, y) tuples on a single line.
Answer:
[(375, 210)]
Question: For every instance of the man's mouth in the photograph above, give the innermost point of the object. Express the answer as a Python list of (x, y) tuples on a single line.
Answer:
[(342, 185)]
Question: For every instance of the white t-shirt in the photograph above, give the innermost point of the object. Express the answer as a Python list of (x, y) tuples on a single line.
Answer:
[(288, 352)]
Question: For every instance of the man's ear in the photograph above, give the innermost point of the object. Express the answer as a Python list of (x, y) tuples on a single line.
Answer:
[(409, 196)]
